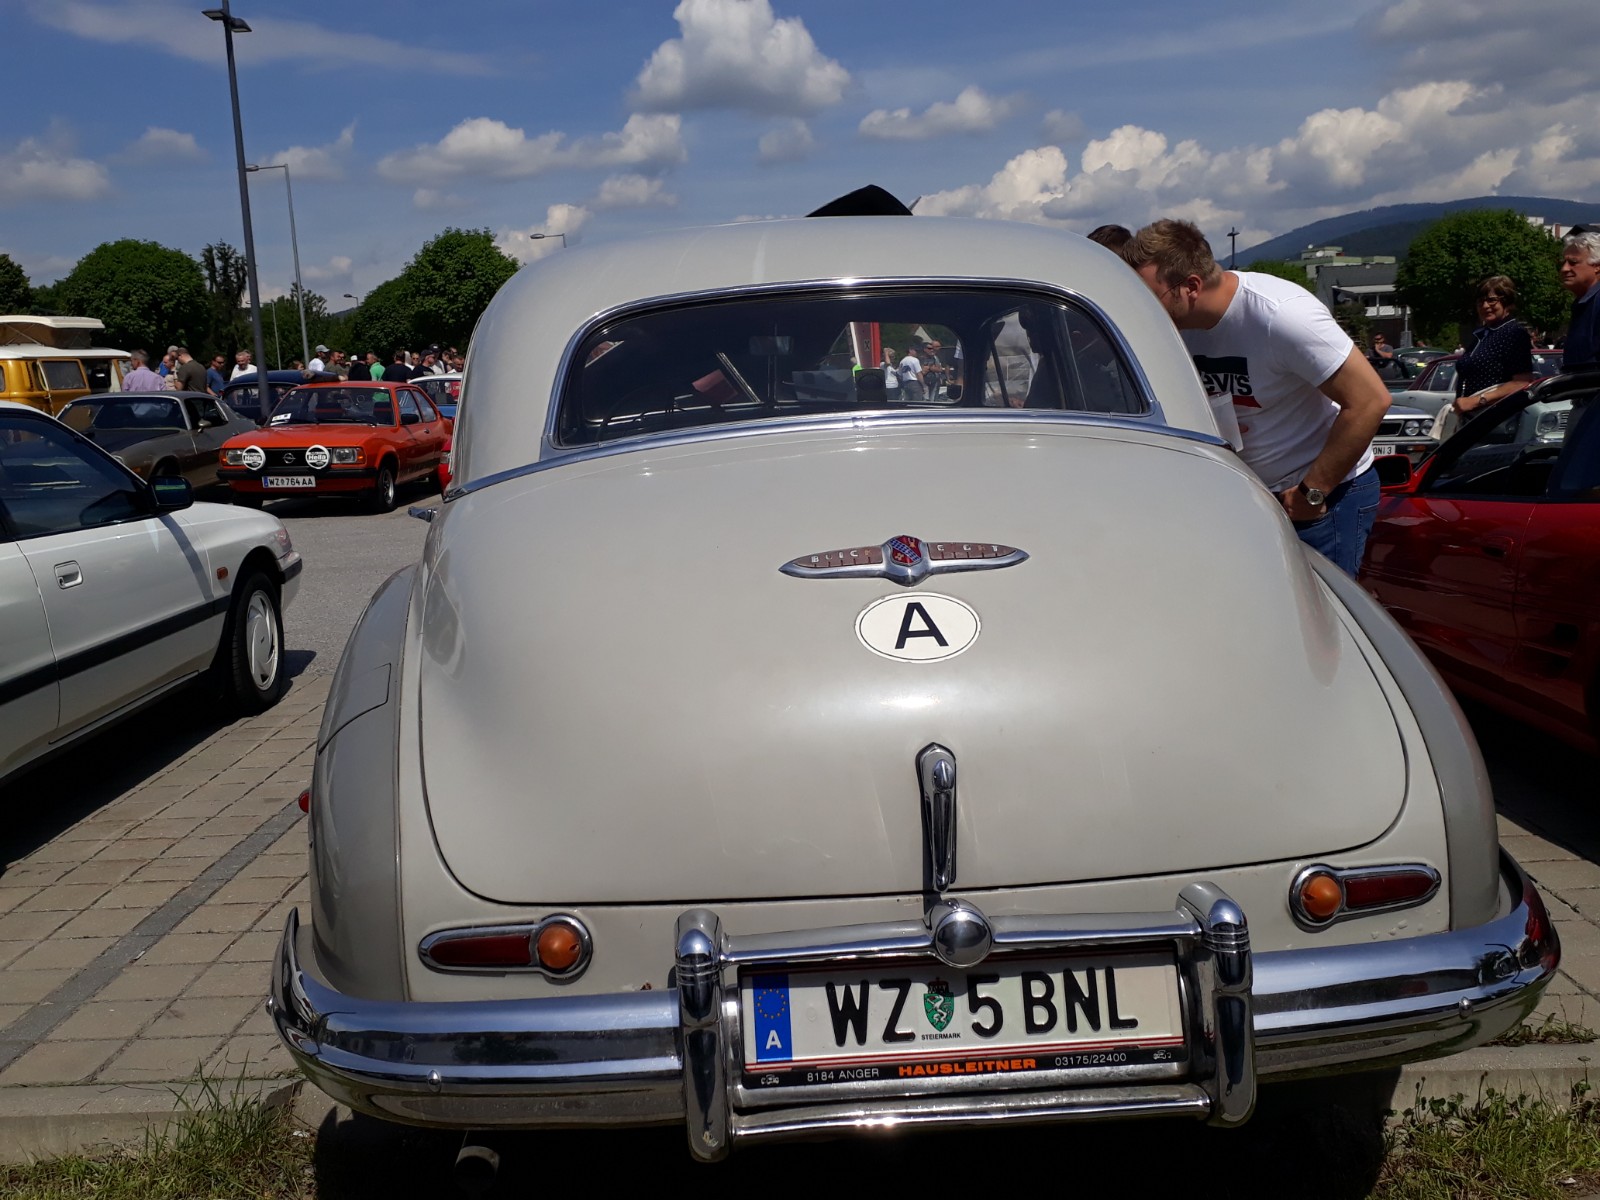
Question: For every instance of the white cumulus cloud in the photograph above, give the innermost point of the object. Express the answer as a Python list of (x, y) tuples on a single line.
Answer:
[(737, 54), (1018, 191), (487, 147), (48, 169), (318, 162), (336, 270), (162, 145), (537, 241), (972, 111), (1062, 127), (633, 191), (788, 142), (1430, 139)]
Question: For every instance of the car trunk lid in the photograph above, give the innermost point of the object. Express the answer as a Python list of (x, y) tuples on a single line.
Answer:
[(623, 699)]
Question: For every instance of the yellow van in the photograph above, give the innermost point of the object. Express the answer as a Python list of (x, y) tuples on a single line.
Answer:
[(49, 362)]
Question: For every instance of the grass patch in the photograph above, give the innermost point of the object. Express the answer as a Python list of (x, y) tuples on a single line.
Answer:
[(222, 1145), (1499, 1148), (1555, 1031)]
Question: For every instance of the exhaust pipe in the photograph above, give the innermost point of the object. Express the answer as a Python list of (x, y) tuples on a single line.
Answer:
[(477, 1167)]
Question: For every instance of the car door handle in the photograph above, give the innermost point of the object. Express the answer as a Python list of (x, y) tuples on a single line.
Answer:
[(1497, 547), (68, 574)]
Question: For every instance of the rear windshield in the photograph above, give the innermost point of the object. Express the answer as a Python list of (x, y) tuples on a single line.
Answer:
[(761, 358), (335, 406)]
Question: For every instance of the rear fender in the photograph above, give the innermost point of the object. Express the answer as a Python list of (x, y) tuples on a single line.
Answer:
[(354, 826)]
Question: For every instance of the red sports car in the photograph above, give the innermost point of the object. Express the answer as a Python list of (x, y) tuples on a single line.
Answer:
[(1489, 556), (339, 439)]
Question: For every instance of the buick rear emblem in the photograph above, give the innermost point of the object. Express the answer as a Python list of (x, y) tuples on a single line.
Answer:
[(905, 550), (904, 560)]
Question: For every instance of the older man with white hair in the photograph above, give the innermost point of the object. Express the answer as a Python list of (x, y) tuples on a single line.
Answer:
[(1579, 270)]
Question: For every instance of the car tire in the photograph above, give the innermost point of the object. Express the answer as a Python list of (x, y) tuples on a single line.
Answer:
[(249, 663), (167, 468), (382, 497)]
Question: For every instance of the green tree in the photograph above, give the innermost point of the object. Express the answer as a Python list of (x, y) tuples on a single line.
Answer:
[(228, 324), (146, 294), (451, 281), (1293, 272), (280, 323), (383, 322), (15, 294), (45, 302), (1447, 261)]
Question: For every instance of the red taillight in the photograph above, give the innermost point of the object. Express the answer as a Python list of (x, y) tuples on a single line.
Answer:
[(1540, 932), (557, 947), (1391, 887), (1321, 895), (305, 801), (485, 950)]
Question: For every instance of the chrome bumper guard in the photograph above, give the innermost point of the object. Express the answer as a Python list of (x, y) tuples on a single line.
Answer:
[(675, 1054)]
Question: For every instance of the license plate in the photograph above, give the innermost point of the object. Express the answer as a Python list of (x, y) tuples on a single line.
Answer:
[(918, 1022), (290, 481)]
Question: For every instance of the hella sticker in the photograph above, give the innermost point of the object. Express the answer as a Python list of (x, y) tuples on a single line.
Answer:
[(924, 627)]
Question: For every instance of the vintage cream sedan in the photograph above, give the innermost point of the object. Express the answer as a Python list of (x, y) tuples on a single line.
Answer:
[(766, 748)]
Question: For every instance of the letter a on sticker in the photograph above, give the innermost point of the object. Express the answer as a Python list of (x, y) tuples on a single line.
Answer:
[(927, 629)]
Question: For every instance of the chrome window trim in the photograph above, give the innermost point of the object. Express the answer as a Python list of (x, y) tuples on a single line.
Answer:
[(799, 288)]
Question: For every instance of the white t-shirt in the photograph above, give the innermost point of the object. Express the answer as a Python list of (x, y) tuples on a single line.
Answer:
[(245, 369), (1274, 347), (891, 380), (316, 364), (911, 368)]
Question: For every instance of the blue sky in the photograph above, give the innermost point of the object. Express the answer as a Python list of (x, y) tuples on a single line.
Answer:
[(597, 120)]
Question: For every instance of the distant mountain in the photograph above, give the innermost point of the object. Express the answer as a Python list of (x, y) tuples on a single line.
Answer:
[(1391, 229)]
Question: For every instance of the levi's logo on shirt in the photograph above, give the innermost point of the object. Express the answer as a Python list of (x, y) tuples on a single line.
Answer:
[(1227, 376)]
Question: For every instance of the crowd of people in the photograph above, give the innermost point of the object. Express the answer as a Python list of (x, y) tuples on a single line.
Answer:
[(1297, 397), (179, 371)]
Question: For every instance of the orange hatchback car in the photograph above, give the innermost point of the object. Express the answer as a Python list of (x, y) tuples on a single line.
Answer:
[(338, 439)]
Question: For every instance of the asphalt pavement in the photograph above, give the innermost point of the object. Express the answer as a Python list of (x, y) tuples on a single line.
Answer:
[(348, 552)]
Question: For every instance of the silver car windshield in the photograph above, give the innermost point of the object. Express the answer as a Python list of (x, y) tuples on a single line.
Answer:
[(756, 358)]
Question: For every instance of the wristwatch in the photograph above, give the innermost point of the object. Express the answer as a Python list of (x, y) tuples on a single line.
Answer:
[(1315, 497)]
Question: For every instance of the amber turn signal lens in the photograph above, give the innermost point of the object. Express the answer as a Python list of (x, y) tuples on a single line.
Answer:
[(1321, 897), (559, 947)]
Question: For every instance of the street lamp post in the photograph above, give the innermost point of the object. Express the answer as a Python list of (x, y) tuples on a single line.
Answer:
[(539, 237), (294, 244), (230, 26), (1233, 246)]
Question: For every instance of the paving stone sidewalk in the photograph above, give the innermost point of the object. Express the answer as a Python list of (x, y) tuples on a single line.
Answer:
[(134, 946)]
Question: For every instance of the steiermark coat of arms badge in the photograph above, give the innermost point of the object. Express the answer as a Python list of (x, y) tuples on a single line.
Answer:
[(939, 1004)]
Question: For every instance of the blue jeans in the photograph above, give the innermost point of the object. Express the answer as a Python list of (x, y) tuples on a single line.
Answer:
[(1341, 536)]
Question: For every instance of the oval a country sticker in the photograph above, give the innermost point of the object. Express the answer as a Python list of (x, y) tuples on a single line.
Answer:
[(918, 627)]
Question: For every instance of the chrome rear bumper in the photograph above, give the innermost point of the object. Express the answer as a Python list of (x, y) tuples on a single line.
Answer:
[(671, 1055)]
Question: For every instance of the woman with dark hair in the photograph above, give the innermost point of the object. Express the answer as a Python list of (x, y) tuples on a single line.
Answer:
[(1499, 357)]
